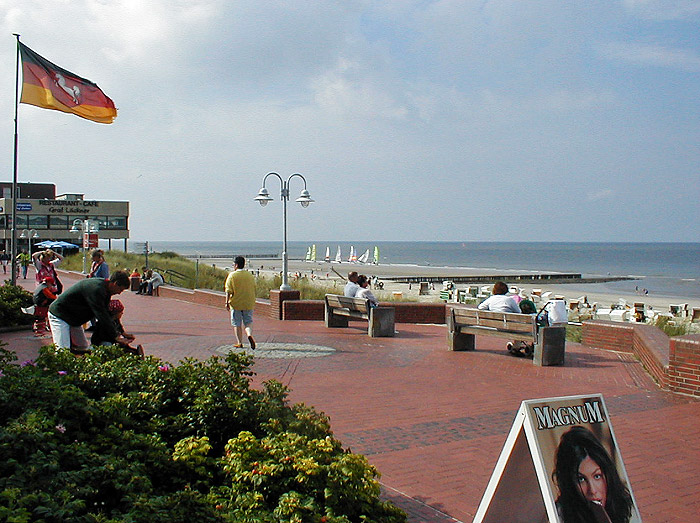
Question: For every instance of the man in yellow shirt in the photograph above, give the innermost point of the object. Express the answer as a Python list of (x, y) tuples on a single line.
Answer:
[(240, 300)]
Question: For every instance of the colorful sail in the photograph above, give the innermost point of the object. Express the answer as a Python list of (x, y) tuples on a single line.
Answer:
[(376, 255), (313, 252)]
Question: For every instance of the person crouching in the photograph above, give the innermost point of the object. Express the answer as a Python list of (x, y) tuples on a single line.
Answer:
[(102, 336), (44, 295)]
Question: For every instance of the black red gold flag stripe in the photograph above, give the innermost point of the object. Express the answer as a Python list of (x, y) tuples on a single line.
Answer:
[(46, 85)]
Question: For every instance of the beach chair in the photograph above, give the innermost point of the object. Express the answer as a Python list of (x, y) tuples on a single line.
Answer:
[(619, 314), (602, 314), (639, 312), (675, 310), (695, 314)]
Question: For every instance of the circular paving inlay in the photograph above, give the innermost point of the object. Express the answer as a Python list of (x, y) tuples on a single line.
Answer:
[(281, 350)]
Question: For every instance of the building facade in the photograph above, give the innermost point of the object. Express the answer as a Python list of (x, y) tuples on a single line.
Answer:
[(52, 217)]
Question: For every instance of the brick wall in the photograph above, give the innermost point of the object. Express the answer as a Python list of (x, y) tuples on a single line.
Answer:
[(673, 362), (608, 335), (277, 298), (406, 312), (651, 345), (303, 310), (684, 365), (410, 312)]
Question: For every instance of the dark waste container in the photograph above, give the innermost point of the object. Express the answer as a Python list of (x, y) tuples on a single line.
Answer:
[(135, 282)]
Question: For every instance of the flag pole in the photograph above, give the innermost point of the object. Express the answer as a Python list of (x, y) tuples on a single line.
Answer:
[(13, 230)]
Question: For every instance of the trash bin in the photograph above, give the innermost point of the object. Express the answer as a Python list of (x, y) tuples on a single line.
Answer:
[(135, 283)]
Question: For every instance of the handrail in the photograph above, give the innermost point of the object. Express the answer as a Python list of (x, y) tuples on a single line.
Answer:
[(170, 274)]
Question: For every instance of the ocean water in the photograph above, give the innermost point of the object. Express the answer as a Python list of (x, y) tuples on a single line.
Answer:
[(665, 269)]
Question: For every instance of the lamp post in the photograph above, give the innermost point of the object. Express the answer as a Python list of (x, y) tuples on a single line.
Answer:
[(85, 226), (29, 234), (304, 199)]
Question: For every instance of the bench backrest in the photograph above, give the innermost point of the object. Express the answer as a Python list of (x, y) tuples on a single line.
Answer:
[(504, 321), (336, 301)]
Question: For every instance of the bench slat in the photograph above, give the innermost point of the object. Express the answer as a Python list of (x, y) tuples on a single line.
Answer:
[(344, 302), (481, 331), (466, 314)]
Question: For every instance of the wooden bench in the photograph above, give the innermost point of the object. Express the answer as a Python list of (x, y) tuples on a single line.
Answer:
[(463, 323), (339, 309)]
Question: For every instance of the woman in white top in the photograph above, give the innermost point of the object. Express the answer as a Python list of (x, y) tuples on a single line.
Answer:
[(364, 291), (498, 301)]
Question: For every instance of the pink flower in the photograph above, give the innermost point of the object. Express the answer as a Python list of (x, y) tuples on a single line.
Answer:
[(163, 368), (28, 362), (61, 428), (62, 372)]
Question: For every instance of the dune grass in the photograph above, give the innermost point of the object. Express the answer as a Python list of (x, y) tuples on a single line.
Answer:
[(203, 276)]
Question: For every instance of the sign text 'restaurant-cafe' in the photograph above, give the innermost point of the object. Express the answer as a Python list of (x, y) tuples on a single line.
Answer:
[(70, 206)]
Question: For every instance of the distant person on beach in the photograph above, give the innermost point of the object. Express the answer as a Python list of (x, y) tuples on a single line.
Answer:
[(364, 292), (240, 301), (351, 287), (590, 487), (85, 300), (99, 267), (498, 301)]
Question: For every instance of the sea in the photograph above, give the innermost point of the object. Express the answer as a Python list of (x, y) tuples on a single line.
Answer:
[(663, 269)]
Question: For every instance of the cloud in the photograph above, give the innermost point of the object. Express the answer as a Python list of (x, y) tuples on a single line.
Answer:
[(377, 103), (652, 55), (663, 9), (603, 194)]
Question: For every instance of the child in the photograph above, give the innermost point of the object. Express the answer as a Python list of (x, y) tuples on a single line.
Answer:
[(44, 295), (116, 308)]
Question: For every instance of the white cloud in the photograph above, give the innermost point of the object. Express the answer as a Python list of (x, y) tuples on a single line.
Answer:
[(652, 55), (663, 9), (456, 98), (603, 194)]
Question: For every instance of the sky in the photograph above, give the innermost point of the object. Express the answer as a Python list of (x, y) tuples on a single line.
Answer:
[(411, 120)]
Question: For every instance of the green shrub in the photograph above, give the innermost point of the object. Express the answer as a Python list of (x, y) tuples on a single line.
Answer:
[(574, 333), (12, 299), (109, 437), (672, 327)]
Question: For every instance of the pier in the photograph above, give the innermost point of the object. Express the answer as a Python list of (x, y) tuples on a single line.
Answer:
[(509, 278)]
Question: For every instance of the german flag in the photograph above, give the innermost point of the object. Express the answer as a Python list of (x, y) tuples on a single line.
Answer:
[(46, 85)]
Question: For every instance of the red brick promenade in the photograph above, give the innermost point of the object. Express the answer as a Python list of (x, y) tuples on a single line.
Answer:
[(434, 421)]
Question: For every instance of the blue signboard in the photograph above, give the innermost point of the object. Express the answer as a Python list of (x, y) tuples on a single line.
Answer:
[(24, 206)]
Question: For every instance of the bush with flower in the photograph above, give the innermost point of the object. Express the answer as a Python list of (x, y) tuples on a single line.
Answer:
[(109, 437)]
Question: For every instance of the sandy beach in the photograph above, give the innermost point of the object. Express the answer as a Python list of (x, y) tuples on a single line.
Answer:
[(599, 293)]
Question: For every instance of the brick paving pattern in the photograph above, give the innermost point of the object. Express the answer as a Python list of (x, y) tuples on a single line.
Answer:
[(434, 421)]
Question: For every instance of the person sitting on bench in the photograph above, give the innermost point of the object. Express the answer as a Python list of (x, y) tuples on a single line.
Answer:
[(498, 301), (364, 291)]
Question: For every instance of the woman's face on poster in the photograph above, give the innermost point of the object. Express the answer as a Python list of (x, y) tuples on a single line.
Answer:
[(592, 482)]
